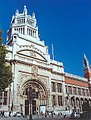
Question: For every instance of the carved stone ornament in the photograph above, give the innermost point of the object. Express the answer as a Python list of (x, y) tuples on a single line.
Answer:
[(18, 90), (34, 69), (24, 76), (43, 79), (32, 54)]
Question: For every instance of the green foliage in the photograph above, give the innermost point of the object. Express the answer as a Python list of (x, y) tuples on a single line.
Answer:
[(5, 69), (2, 50)]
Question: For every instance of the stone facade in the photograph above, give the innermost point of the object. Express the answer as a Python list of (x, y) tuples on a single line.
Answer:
[(38, 79)]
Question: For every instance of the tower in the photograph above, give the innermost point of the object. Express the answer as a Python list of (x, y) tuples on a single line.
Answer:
[(87, 69), (23, 25)]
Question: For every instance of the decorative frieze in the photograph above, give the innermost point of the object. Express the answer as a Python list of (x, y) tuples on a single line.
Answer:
[(25, 76)]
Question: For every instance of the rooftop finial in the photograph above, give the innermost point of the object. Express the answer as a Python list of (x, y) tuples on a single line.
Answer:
[(33, 15), (25, 10), (17, 12)]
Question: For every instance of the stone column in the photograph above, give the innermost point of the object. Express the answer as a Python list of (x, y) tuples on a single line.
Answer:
[(64, 92)]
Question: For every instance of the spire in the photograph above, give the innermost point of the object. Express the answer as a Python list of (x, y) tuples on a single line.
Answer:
[(25, 10), (86, 62)]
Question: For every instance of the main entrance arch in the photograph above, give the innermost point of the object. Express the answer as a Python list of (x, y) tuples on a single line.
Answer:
[(36, 92)]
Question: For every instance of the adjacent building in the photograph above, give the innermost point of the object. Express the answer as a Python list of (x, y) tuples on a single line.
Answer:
[(39, 84)]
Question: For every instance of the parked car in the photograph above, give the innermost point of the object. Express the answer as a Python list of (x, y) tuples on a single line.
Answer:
[(77, 114), (17, 114), (6, 114), (13, 114)]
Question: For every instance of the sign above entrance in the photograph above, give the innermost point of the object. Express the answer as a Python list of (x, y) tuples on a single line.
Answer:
[(42, 108)]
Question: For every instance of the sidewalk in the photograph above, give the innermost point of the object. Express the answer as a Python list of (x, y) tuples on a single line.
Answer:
[(19, 118), (55, 117)]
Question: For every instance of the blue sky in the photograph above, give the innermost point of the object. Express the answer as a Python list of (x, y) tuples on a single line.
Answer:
[(65, 23)]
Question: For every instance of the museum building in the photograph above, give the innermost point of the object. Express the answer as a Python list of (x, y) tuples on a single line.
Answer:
[(39, 83)]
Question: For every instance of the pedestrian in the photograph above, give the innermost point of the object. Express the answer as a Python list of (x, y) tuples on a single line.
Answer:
[(3, 114), (64, 115), (45, 114), (52, 114), (10, 114)]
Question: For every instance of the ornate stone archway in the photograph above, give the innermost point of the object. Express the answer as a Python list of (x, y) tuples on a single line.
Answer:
[(38, 87)]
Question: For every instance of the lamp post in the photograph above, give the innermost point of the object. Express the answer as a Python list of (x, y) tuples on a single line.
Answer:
[(21, 109), (74, 104), (13, 62), (32, 94), (68, 97), (30, 102), (9, 98)]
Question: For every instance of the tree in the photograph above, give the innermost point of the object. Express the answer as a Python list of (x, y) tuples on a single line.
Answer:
[(86, 109), (5, 68)]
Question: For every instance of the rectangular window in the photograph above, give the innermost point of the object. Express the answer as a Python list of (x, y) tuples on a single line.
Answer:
[(53, 100), (83, 92), (87, 92), (59, 87), (79, 91), (69, 89), (60, 103), (53, 87), (5, 98), (0, 98), (74, 90), (66, 88)]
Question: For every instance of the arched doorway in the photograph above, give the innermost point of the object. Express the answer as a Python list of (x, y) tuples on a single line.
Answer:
[(73, 103), (35, 96), (77, 104)]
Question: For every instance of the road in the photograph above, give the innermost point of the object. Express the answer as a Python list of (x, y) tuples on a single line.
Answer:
[(19, 118), (41, 118)]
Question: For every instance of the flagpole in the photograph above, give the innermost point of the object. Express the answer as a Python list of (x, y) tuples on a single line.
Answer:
[(52, 51)]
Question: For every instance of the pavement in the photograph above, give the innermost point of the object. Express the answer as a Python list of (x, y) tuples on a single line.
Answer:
[(19, 118), (40, 118), (34, 118)]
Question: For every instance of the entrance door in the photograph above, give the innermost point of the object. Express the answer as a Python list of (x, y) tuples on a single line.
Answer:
[(33, 106), (26, 107)]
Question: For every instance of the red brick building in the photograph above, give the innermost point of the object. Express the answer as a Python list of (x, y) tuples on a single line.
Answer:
[(78, 88)]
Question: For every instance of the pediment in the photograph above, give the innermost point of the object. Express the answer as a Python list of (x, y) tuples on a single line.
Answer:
[(32, 54)]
